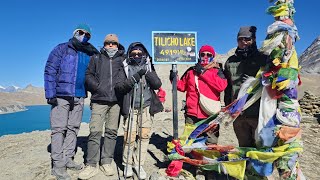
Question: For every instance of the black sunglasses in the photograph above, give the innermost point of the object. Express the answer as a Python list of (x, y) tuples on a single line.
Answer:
[(244, 39), (85, 33), (134, 54), (204, 54), (111, 42)]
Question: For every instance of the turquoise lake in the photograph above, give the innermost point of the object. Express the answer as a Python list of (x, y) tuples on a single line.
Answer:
[(35, 118)]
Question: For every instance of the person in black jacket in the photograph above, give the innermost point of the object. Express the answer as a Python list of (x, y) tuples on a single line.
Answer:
[(138, 72), (101, 76), (246, 62)]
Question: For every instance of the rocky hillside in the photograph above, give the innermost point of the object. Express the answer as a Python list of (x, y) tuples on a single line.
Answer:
[(310, 58), (31, 89), (221, 58), (28, 96), (310, 104), (12, 109)]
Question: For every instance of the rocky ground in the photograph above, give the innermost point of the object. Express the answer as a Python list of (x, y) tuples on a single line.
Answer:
[(26, 156)]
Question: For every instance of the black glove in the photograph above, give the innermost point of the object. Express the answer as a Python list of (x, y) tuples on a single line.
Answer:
[(220, 74), (52, 101), (172, 75), (199, 69), (136, 77), (244, 78), (142, 72), (71, 102)]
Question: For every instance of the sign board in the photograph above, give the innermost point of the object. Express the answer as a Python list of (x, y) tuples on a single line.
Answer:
[(174, 47)]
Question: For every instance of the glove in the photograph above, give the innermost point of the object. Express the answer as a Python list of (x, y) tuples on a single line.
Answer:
[(71, 102), (136, 77), (52, 101), (244, 78), (142, 72), (220, 74), (172, 75), (199, 69)]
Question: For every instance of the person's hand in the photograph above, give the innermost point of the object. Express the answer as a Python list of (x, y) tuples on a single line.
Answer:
[(52, 101), (142, 72), (172, 75), (220, 74), (199, 69), (136, 77), (244, 77)]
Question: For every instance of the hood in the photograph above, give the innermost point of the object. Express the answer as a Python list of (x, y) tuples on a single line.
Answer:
[(148, 60), (132, 45)]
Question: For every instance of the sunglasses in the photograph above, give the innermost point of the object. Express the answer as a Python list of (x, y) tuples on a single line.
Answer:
[(112, 43), (206, 54), (244, 39), (134, 54), (85, 33)]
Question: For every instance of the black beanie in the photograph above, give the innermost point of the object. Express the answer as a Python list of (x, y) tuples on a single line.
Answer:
[(247, 31)]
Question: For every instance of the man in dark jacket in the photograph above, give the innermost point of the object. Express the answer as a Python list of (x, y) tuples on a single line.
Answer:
[(101, 77), (64, 78), (138, 75), (246, 62)]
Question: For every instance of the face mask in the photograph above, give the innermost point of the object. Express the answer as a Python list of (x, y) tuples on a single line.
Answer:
[(82, 38), (205, 60), (137, 60), (111, 51), (243, 52)]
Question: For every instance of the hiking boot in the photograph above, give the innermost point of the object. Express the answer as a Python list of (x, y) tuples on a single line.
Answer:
[(72, 165), (142, 174), (129, 171), (60, 173), (107, 169), (88, 172)]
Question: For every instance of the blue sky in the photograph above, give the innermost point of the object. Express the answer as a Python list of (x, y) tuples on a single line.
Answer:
[(30, 29)]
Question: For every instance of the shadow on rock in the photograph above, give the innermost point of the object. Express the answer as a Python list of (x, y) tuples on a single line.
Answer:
[(82, 142), (160, 142), (118, 151)]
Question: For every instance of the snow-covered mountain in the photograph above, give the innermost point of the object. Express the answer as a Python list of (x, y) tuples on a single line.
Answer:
[(9, 89), (2, 89)]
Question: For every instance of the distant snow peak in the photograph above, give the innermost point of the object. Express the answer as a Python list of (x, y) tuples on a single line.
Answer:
[(9, 89)]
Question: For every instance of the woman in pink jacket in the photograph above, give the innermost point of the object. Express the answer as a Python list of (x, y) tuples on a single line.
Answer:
[(211, 82)]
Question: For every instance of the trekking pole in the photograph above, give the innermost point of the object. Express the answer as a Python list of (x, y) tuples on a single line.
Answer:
[(140, 122), (129, 127)]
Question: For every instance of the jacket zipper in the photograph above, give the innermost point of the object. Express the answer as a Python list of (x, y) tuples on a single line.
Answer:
[(111, 74)]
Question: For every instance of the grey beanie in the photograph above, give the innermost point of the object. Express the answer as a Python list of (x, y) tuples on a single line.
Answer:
[(247, 31)]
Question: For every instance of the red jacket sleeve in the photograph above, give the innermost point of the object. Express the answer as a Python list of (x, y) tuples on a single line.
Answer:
[(181, 84), (213, 80)]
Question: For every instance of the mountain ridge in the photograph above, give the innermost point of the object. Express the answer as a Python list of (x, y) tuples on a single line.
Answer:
[(310, 58)]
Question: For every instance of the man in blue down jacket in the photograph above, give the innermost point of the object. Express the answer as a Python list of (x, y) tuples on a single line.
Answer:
[(64, 78)]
